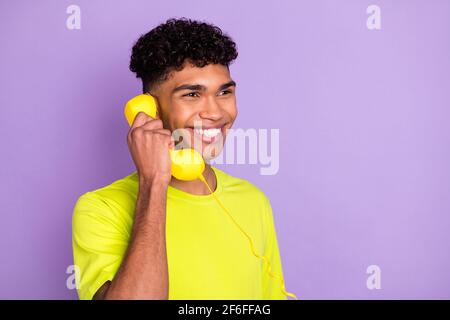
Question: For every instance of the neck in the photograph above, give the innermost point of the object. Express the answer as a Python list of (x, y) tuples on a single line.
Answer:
[(197, 187)]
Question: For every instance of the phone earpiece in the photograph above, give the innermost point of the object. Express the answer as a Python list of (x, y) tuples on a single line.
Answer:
[(141, 103), (187, 164)]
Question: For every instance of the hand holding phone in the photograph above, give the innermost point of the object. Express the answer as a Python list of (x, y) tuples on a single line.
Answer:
[(149, 145), (186, 164)]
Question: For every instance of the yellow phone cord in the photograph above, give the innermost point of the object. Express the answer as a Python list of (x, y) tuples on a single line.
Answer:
[(252, 246)]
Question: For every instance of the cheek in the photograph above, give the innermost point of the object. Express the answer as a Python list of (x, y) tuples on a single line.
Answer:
[(178, 115), (231, 108)]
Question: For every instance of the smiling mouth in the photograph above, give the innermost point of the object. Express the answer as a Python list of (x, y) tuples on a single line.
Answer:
[(207, 135)]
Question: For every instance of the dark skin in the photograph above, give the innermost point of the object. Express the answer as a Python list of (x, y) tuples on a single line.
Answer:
[(213, 103), (193, 94)]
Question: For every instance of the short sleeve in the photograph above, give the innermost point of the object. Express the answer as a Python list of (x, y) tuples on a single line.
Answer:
[(98, 241), (272, 287)]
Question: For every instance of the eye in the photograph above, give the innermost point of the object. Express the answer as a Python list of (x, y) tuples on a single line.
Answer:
[(191, 94), (223, 92)]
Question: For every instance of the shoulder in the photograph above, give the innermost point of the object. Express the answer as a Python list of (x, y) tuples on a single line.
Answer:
[(243, 189), (110, 201), (118, 190)]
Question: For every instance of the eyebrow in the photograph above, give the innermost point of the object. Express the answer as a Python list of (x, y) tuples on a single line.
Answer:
[(199, 87)]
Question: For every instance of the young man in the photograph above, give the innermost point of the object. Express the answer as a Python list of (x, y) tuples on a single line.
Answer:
[(151, 236)]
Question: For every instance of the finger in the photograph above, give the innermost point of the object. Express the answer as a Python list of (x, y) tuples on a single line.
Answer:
[(153, 124), (162, 131), (166, 139), (166, 134), (140, 119)]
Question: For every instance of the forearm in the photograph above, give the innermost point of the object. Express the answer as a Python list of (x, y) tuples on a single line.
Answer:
[(143, 273)]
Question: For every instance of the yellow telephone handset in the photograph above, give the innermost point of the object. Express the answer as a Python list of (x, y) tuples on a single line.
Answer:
[(187, 164)]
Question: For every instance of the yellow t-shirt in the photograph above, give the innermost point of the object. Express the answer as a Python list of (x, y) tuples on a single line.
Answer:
[(208, 256)]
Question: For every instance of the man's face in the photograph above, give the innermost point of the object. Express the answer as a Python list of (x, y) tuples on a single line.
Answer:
[(201, 104)]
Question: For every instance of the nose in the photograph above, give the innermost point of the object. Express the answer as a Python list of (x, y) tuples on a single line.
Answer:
[(212, 110)]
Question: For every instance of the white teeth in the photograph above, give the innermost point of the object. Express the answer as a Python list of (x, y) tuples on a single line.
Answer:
[(208, 132)]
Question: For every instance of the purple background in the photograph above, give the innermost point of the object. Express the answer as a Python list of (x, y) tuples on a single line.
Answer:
[(363, 115)]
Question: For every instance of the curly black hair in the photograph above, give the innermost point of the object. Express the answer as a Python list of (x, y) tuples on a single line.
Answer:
[(166, 48)]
